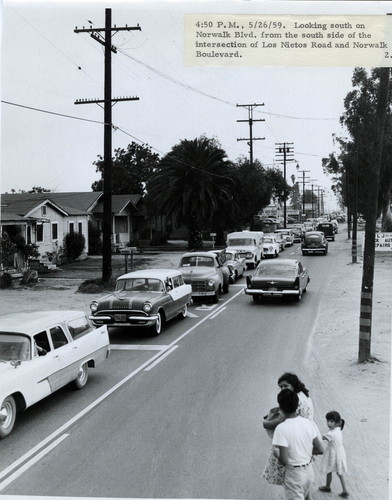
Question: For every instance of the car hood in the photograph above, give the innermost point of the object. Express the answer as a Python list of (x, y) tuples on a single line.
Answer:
[(127, 300), (198, 272)]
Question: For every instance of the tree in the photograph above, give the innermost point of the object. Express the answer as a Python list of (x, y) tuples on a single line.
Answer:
[(356, 157), (363, 170), (132, 169), (192, 186), (252, 191)]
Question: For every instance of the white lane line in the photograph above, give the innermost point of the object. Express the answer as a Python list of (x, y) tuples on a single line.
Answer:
[(218, 312), (160, 358), (20, 461), (135, 347), (32, 462)]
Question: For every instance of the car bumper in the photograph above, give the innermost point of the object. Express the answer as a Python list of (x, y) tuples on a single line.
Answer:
[(209, 293), (143, 321), (271, 293), (314, 250)]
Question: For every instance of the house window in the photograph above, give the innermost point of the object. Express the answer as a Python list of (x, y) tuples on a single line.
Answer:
[(71, 227), (80, 227), (55, 233), (40, 232), (43, 210)]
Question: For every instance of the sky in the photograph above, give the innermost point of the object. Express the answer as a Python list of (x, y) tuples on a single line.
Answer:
[(48, 141)]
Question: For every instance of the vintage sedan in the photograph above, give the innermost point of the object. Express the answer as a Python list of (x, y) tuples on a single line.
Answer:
[(233, 260), (287, 235), (42, 351), (206, 274), (314, 242), (278, 278), (146, 298), (271, 247)]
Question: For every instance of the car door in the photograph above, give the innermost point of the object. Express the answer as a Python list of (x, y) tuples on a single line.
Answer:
[(65, 353), (303, 276), (31, 376), (180, 293), (88, 342)]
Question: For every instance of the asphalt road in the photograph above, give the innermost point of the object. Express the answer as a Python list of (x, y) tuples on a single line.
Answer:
[(174, 416)]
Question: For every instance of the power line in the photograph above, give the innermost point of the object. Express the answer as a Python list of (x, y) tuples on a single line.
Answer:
[(51, 112)]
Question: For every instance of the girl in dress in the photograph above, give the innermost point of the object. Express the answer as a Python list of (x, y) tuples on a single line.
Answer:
[(273, 472), (334, 458)]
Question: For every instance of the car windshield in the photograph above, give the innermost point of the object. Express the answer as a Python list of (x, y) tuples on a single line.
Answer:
[(233, 242), (276, 270), (197, 260), (139, 285), (229, 256), (14, 347), (269, 240), (313, 237)]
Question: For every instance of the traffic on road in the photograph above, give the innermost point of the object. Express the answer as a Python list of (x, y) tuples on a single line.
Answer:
[(163, 416)]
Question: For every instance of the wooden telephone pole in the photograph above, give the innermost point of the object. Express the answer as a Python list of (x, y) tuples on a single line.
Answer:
[(250, 120), (105, 40)]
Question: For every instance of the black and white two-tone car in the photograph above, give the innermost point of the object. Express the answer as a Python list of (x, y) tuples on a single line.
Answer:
[(278, 278), (146, 298)]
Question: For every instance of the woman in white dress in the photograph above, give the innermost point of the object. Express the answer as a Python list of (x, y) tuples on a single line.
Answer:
[(273, 472)]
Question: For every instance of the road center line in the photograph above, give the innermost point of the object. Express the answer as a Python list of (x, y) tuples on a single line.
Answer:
[(160, 358), (218, 312), (135, 347), (32, 462)]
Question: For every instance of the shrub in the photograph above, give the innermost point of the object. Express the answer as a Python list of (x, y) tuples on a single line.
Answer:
[(5, 280), (73, 246)]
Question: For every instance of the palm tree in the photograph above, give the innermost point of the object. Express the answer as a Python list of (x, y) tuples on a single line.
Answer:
[(192, 185)]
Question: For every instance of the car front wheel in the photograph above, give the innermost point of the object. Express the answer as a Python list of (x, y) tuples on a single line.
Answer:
[(7, 416), (157, 328), (81, 379)]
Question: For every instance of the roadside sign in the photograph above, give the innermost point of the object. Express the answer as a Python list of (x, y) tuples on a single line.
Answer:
[(383, 242)]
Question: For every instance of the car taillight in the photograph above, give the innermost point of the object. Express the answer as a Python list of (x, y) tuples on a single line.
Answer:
[(249, 281), (296, 283)]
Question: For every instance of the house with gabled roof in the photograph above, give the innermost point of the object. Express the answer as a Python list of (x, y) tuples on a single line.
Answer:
[(45, 218), (128, 218), (42, 219)]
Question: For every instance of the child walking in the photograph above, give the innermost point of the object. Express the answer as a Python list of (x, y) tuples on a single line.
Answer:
[(334, 458)]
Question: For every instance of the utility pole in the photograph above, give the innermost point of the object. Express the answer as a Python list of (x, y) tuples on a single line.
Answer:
[(250, 120), (105, 40), (284, 153), (303, 188)]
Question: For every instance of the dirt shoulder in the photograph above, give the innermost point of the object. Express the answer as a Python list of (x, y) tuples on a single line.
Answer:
[(360, 392)]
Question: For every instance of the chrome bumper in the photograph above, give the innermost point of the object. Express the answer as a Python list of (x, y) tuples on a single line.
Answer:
[(260, 291)]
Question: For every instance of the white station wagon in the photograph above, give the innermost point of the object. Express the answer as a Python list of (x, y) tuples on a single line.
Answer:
[(42, 351)]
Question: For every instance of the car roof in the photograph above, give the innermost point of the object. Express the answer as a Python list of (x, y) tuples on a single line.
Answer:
[(201, 254), (31, 322), (279, 262), (314, 232), (160, 274)]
